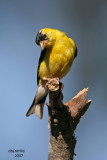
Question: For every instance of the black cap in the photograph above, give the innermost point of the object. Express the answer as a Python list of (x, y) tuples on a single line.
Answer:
[(40, 37)]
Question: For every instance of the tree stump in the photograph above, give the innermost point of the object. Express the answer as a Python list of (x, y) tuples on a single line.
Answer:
[(63, 120)]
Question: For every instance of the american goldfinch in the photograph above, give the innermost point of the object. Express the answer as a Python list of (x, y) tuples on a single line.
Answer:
[(57, 55)]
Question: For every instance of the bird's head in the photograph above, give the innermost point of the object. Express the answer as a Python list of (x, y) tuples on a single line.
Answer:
[(46, 37)]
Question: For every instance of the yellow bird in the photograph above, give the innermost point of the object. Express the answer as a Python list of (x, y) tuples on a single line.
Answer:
[(57, 55)]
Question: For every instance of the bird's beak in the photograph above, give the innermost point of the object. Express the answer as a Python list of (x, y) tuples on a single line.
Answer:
[(43, 44)]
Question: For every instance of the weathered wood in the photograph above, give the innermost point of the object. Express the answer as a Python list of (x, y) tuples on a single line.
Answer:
[(63, 119)]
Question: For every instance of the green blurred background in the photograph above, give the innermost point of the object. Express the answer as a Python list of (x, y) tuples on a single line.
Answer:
[(85, 22)]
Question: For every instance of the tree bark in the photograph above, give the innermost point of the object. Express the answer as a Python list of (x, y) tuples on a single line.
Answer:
[(63, 119)]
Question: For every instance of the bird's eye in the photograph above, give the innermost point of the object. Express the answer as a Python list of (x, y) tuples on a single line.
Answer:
[(44, 35), (40, 37)]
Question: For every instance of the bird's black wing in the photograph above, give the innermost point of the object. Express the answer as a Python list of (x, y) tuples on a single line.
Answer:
[(43, 52), (76, 51)]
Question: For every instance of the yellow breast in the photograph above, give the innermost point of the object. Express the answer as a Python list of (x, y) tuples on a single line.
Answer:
[(58, 59)]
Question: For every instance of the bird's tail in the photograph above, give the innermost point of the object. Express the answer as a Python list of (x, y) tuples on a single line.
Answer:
[(38, 102)]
